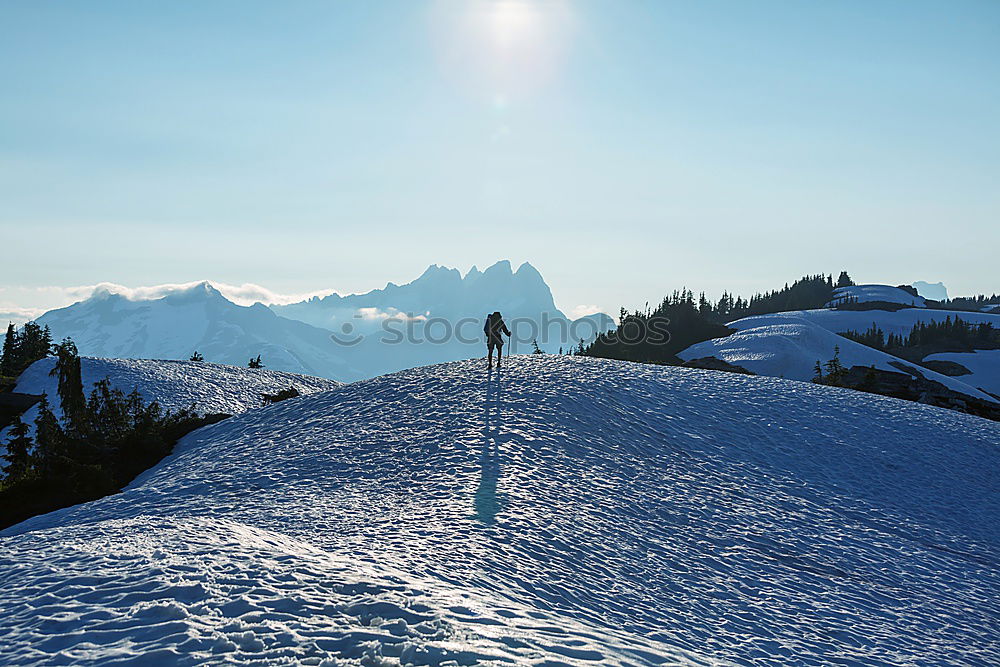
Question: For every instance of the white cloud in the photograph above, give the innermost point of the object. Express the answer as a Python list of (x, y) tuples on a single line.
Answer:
[(18, 316), (21, 304), (582, 311), (391, 313)]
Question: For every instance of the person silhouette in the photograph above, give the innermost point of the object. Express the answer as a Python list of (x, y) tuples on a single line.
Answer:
[(494, 328)]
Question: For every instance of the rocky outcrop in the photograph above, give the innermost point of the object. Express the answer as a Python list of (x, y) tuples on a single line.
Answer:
[(716, 364), (912, 385)]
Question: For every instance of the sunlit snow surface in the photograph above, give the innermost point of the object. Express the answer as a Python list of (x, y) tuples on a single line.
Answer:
[(571, 511), (209, 388)]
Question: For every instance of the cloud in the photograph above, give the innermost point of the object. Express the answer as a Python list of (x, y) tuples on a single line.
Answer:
[(21, 304), (582, 311), (18, 316), (391, 313)]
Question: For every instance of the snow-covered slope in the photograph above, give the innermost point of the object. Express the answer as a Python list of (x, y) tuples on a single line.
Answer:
[(983, 366), (198, 318), (210, 388), (865, 293), (898, 322), (207, 388), (789, 344), (572, 511)]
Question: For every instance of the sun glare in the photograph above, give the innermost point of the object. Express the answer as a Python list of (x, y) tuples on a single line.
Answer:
[(505, 48)]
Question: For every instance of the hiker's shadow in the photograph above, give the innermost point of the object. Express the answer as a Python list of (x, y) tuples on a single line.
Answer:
[(487, 502)]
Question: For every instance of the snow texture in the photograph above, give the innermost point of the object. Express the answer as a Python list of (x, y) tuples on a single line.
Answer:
[(572, 511), (864, 293)]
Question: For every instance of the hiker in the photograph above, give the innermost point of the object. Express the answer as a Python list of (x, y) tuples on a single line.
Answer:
[(493, 329)]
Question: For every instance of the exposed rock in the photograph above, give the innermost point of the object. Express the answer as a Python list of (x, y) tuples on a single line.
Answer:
[(949, 368), (911, 385), (716, 364)]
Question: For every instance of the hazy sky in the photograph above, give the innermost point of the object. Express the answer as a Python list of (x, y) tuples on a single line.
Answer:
[(624, 148)]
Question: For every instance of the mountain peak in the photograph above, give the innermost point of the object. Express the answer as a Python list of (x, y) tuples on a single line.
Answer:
[(526, 270), (501, 267), (439, 272)]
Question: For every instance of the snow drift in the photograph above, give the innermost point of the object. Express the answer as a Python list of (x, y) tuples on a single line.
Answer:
[(569, 511)]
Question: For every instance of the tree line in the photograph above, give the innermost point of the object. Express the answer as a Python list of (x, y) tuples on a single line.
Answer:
[(680, 320), (23, 348), (95, 446), (948, 334)]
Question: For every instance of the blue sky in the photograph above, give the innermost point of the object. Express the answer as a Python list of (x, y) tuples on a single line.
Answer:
[(623, 148)]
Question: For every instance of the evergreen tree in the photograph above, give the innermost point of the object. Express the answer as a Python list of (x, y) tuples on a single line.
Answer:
[(49, 439), (18, 448), (535, 349), (70, 387), (834, 369), (844, 280), (256, 363), (196, 357), (9, 361)]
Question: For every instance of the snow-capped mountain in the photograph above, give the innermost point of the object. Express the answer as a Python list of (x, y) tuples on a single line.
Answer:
[(199, 318), (439, 292), (438, 317), (568, 511)]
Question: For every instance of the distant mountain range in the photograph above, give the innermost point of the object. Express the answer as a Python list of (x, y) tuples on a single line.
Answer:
[(437, 317)]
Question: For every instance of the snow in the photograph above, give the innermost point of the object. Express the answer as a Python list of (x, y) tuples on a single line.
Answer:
[(788, 345), (864, 293), (110, 325), (210, 388), (898, 322), (983, 364), (570, 511), (176, 385)]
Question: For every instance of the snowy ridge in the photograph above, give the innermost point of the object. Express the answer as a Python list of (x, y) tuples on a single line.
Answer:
[(866, 293), (176, 385), (574, 510), (897, 322), (789, 344), (210, 388)]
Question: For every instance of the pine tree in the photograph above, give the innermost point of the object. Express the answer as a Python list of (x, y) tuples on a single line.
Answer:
[(817, 373), (8, 362), (70, 387), (49, 439), (256, 363), (535, 348), (844, 280), (18, 448), (196, 357), (834, 369)]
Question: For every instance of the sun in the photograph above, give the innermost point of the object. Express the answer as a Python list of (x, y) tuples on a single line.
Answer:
[(502, 48)]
